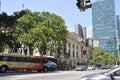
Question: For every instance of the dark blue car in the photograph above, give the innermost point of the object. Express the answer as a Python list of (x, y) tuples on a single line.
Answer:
[(51, 66)]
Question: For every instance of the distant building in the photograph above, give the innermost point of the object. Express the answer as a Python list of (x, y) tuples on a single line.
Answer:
[(75, 47), (84, 33), (104, 25), (79, 30), (96, 43), (118, 30), (74, 43), (118, 25), (90, 41), (89, 32)]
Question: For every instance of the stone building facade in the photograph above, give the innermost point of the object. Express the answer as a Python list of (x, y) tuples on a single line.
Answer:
[(76, 47)]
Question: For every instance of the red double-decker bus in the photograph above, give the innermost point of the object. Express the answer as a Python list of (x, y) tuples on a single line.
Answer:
[(21, 62)]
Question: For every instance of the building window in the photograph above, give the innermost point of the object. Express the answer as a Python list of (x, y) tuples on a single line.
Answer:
[(69, 45), (76, 47), (69, 51), (73, 46), (73, 54), (77, 54)]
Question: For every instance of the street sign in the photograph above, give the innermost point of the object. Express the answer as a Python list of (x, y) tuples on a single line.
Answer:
[(84, 52)]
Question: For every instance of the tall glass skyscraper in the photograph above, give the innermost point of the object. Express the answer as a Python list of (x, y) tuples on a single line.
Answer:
[(118, 26), (104, 25)]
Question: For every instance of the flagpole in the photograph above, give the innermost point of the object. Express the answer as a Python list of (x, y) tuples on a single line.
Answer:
[(23, 6)]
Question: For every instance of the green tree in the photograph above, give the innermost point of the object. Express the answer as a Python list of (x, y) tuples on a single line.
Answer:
[(24, 27), (57, 30), (5, 26), (109, 58), (41, 30), (100, 56), (7, 30)]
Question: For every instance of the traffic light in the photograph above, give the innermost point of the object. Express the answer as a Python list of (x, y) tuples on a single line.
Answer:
[(83, 4), (87, 42), (80, 5), (87, 4)]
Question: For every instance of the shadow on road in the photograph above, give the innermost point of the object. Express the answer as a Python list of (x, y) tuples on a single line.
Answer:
[(11, 73)]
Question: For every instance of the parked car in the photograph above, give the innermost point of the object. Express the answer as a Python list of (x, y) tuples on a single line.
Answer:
[(101, 66), (113, 74), (91, 67), (115, 66), (50, 66), (80, 68)]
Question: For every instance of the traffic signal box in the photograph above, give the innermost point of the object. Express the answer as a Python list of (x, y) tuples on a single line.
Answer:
[(83, 4)]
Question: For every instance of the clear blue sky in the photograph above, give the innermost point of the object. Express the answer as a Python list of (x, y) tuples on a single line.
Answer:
[(67, 9)]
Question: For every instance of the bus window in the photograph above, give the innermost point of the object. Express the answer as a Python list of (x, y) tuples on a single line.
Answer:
[(1, 58), (5, 58), (18, 59), (14, 58), (28, 59), (23, 59), (52, 59), (10, 58), (37, 60), (44, 60)]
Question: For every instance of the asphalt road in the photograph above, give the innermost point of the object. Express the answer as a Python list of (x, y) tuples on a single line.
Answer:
[(57, 75)]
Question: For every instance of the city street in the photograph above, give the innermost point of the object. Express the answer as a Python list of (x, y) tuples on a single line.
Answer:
[(57, 75), (59, 39)]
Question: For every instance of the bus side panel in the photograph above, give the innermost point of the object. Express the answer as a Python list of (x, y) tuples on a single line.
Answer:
[(2, 63), (26, 66)]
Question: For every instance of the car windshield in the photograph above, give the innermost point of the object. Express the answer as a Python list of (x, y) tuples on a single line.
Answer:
[(110, 71), (79, 66)]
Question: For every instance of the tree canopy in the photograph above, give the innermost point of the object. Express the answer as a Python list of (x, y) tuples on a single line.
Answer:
[(42, 30), (100, 56), (7, 29)]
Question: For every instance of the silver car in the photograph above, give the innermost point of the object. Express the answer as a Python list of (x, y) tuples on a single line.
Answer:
[(91, 67), (113, 74), (80, 68)]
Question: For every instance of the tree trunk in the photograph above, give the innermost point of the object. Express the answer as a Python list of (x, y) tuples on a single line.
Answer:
[(31, 50)]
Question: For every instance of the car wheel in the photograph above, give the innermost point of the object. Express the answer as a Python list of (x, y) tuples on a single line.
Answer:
[(45, 69), (38, 70), (3, 69)]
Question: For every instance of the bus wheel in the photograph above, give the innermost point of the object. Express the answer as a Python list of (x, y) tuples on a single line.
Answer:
[(38, 70), (45, 69), (3, 69)]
